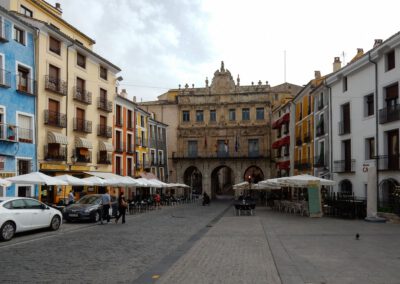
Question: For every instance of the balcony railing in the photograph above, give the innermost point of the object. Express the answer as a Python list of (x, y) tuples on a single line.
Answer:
[(5, 78), (253, 154), (138, 165), (146, 164), (161, 162), (26, 85), (389, 114), (320, 130), (130, 149), (389, 162), (299, 142), (105, 105), (344, 127), (25, 135), (307, 137), (82, 125), (215, 155), (104, 158), (56, 119), (320, 105), (104, 131), (8, 132), (119, 147), (82, 96), (153, 163), (153, 143), (319, 161), (303, 164), (5, 31), (59, 154), (80, 158), (344, 166), (56, 85)]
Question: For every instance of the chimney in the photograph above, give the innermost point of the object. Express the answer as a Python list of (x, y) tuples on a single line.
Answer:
[(360, 51), (58, 6), (124, 94), (377, 42), (337, 64), (134, 99), (317, 74)]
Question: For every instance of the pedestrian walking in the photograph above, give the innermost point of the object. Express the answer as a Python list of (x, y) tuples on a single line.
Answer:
[(105, 207), (71, 197), (157, 200), (122, 205)]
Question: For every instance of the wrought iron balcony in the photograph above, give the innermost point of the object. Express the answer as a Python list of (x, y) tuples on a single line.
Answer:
[(56, 119), (82, 125), (56, 85), (344, 127), (138, 165), (25, 135), (5, 78), (319, 161), (55, 154), (119, 147), (8, 132), (82, 96), (303, 164), (104, 158), (106, 105), (83, 158), (389, 162), (130, 149), (215, 155), (299, 142), (161, 163), (320, 130), (307, 137), (344, 166), (146, 164), (104, 131), (26, 85), (389, 114)]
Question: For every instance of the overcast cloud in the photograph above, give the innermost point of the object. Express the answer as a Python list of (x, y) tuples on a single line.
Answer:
[(159, 44)]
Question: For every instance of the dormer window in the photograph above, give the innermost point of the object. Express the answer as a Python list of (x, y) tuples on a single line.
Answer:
[(25, 11), (81, 60)]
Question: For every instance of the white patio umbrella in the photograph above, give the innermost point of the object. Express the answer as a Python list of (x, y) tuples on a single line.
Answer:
[(36, 178), (96, 181), (71, 180), (242, 185), (4, 182), (159, 182), (145, 183), (177, 185), (304, 180)]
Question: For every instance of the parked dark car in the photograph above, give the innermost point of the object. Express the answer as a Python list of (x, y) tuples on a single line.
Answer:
[(88, 208)]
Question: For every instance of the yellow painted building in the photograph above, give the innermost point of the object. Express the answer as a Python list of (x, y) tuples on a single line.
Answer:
[(47, 13), (75, 94), (141, 141), (304, 127)]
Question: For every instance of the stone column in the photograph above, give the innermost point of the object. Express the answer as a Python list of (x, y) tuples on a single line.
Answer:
[(371, 193)]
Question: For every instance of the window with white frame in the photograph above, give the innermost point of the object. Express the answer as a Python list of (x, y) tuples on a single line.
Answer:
[(25, 128), (369, 105), (19, 35), (370, 148), (160, 158)]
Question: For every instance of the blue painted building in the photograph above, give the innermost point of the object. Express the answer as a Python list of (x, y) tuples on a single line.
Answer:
[(17, 102)]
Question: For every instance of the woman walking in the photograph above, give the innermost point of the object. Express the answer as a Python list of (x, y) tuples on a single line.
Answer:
[(122, 205)]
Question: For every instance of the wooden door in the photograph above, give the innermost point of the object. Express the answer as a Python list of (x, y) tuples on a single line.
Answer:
[(347, 155), (54, 109), (393, 149), (80, 119)]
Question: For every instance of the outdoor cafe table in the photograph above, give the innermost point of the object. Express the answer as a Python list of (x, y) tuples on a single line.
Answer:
[(247, 206)]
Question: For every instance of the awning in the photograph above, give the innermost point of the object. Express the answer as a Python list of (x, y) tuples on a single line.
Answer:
[(275, 145), (284, 165), (83, 143), (57, 138), (104, 146), (286, 117), (285, 141)]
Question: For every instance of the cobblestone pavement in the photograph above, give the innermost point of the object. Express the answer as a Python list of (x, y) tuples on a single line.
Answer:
[(274, 247), (195, 244), (112, 253)]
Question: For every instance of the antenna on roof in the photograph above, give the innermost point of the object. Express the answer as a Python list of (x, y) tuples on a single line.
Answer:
[(344, 56)]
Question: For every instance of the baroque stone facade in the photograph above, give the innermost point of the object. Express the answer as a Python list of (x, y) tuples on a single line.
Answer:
[(222, 131)]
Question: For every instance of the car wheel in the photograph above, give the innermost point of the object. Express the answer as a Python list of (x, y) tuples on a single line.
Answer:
[(96, 217), (7, 231), (55, 223)]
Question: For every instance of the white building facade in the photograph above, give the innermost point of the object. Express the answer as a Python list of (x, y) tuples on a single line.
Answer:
[(365, 121)]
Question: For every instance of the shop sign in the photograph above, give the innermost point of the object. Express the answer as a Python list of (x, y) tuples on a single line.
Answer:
[(6, 174), (53, 167), (80, 168)]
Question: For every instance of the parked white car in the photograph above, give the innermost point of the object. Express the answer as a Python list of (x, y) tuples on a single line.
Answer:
[(19, 214)]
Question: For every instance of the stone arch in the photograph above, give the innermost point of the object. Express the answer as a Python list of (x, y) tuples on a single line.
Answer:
[(193, 177), (388, 196), (222, 178), (254, 174), (345, 187)]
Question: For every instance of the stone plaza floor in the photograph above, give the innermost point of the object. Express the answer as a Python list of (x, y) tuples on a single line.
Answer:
[(273, 247)]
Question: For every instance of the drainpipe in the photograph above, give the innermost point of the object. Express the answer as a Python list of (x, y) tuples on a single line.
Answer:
[(66, 113), (36, 107), (330, 130), (376, 127)]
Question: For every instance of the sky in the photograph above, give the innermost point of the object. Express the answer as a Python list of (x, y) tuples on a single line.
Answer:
[(160, 44)]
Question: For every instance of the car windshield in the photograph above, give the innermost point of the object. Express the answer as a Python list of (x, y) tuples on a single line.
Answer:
[(89, 199)]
